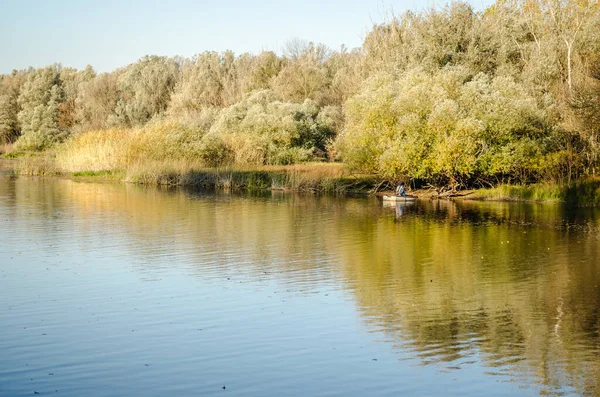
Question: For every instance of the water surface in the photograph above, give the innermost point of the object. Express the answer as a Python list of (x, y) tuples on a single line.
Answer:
[(110, 289)]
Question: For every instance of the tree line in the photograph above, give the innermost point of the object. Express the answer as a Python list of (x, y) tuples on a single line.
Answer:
[(446, 96)]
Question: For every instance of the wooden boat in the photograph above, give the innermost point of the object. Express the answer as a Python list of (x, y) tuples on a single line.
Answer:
[(399, 199)]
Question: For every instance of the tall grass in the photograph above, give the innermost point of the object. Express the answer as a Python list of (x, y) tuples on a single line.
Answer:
[(95, 151), (168, 153), (547, 192), (6, 148), (43, 165), (585, 192), (121, 148), (10, 150), (314, 177)]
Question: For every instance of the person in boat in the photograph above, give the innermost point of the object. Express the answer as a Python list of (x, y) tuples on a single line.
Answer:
[(400, 190)]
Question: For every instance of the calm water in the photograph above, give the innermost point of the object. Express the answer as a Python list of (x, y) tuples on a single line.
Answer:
[(115, 290)]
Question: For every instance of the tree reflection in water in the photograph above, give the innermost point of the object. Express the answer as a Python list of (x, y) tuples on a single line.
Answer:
[(514, 286)]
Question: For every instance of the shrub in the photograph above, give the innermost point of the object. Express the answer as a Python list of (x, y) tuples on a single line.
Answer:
[(261, 130), (444, 128)]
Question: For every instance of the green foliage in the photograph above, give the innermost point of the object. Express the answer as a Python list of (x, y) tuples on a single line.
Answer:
[(145, 90), (9, 107), (432, 39), (96, 101), (71, 82), (262, 69), (585, 192), (202, 83), (35, 141), (8, 119), (447, 96), (215, 152), (304, 75), (546, 192), (261, 130), (39, 100), (93, 174), (445, 128)]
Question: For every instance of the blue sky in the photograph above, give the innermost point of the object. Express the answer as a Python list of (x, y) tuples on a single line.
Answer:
[(109, 33)]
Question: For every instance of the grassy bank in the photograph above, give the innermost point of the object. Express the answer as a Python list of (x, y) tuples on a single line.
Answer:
[(174, 154), (311, 177), (580, 193), (537, 192), (165, 154), (316, 177)]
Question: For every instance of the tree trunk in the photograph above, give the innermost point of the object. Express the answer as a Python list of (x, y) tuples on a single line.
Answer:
[(569, 73)]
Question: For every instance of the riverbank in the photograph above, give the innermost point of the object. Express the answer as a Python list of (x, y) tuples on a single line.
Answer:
[(328, 178), (331, 178), (581, 193)]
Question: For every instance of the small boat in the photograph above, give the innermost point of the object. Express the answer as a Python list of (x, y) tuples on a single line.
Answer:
[(399, 199)]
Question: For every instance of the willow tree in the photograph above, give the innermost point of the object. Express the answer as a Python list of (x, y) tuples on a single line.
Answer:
[(569, 18), (430, 40), (257, 72), (39, 101), (555, 25), (96, 101), (72, 81), (260, 129), (202, 83), (8, 118), (145, 89), (445, 128), (10, 86), (304, 75)]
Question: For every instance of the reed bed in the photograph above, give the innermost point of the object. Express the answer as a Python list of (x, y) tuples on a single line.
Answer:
[(585, 192), (324, 178), (547, 192), (174, 154), (44, 165)]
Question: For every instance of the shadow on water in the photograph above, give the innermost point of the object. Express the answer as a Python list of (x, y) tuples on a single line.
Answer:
[(513, 286)]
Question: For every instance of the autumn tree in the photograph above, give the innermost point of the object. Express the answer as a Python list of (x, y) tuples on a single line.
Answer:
[(201, 84), (10, 86), (304, 75), (145, 89), (39, 101), (96, 101), (72, 82)]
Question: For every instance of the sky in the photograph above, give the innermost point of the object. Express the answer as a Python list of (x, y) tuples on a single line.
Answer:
[(108, 34)]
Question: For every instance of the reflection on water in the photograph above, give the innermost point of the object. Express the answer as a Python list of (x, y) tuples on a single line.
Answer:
[(263, 292)]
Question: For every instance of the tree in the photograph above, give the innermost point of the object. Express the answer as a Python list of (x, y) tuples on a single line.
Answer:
[(569, 16), (261, 130), (8, 119), (445, 128), (201, 85), (10, 85), (39, 101), (96, 101), (345, 72), (71, 82), (304, 75), (429, 40), (145, 89), (258, 71)]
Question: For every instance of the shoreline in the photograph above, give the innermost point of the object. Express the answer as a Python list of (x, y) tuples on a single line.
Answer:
[(315, 178)]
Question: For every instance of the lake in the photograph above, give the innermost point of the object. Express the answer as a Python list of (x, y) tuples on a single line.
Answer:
[(122, 290)]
